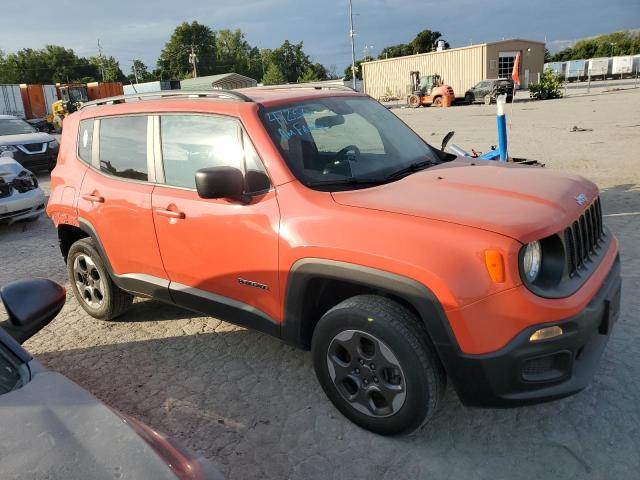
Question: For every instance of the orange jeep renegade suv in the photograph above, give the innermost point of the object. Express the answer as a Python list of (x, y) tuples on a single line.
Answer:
[(319, 217)]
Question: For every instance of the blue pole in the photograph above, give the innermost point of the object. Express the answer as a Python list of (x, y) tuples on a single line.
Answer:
[(501, 119)]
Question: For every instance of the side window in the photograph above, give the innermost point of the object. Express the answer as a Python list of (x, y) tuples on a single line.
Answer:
[(85, 140), (192, 142), (123, 147)]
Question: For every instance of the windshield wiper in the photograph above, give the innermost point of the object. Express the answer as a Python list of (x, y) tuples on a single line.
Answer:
[(414, 167), (348, 181)]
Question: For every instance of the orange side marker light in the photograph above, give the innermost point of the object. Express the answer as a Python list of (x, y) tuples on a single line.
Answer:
[(495, 265)]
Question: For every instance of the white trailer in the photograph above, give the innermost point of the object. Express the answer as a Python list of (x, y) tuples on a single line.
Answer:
[(600, 67), (50, 96), (622, 66), (11, 101)]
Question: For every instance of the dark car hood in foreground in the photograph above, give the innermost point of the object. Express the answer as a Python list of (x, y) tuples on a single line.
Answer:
[(53, 429), (524, 203)]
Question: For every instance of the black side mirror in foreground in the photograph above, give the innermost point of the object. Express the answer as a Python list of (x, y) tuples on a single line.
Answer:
[(220, 182), (31, 305)]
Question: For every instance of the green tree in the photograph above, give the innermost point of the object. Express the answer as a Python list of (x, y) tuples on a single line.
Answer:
[(609, 45), (347, 71), (310, 75), (393, 51), (108, 68), (291, 60), (426, 41), (173, 62), (233, 52), (139, 68), (273, 76), (549, 87)]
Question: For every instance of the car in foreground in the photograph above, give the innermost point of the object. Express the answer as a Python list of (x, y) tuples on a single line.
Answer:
[(32, 149), (20, 196), (317, 216), (486, 91), (54, 429)]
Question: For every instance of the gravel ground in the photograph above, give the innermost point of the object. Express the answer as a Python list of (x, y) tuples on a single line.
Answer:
[(252, 404)]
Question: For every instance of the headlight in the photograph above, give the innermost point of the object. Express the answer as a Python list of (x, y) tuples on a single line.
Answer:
[(8, 148), (532, 261), (53, 144)]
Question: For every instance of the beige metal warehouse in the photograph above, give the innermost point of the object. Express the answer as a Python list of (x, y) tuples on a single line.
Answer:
[(461, 67)]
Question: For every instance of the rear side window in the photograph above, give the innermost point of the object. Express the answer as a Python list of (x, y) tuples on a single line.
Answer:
[(85, 140), (123, 147), (192, 142)]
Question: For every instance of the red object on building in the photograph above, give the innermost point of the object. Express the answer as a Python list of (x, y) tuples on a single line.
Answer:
[(515, 74), (98, 90), (33, 100)]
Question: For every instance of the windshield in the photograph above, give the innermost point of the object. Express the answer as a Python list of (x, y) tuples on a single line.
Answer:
[(15, 126), (344, 140)]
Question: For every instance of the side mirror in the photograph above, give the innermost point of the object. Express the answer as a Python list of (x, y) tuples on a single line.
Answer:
[(220, 182), (31, 305)]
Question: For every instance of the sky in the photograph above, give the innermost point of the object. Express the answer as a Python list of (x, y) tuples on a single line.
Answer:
[(131, 29)]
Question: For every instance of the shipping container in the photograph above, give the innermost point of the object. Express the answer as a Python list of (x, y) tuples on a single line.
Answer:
[(622, 66), (576, 70), (557, 67), (148, 87), (50, 96), (11, 101), (33, 100), (98, 90), (600, 67)]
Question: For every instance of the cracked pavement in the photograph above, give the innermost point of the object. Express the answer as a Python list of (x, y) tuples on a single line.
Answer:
[(253, 406)]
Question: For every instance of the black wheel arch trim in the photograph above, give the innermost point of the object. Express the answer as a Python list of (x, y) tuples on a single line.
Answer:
[(417, 294)]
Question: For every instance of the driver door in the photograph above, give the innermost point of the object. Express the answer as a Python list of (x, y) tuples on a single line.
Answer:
[(221, 256)]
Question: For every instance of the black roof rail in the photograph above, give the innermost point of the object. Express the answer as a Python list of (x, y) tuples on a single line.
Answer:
[(230, 94), (314, 86)]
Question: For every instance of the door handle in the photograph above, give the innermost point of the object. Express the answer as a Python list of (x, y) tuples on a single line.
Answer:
[(170, 213), (93, 198)]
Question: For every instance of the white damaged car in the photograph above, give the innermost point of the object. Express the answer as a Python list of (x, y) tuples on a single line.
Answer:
[(20, 196)]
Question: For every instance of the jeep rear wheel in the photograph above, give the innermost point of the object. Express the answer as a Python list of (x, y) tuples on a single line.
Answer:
[(91, 284), (374, 361)]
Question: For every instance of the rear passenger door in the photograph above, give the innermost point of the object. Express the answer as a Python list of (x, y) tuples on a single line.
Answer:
[(221, 255), (115, 197)]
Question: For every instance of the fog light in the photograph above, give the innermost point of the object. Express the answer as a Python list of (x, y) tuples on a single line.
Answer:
[(546, 333)]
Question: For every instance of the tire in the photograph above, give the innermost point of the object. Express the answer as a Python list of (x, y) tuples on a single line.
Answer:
[(409, 375), (413, 101), (468, 99), (92, 285), (437, 102), (487, 100)]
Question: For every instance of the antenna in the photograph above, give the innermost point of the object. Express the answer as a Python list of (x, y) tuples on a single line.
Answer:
[(352, 33)]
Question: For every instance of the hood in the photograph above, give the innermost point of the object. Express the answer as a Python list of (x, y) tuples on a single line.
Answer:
[(524, 203), (26, 138), (52, 428)]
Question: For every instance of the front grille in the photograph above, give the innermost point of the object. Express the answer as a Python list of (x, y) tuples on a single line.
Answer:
[(583, 237), (34, 147), (5, 190)]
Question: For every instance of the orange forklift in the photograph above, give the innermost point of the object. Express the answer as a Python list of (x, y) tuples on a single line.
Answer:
[(429, 90)]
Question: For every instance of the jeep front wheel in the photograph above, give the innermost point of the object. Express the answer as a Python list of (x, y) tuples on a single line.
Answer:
[(374, 361), (91, 284)]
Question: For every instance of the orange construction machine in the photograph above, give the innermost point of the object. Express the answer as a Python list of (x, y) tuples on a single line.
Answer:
[(429, 90)]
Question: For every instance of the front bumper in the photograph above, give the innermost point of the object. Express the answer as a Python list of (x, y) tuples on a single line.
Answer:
[(21, 206), (525, 372)]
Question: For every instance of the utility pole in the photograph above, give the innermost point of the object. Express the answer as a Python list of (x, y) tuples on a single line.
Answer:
[(193, 59), (100, 59), (135, 70), (352, 34)]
